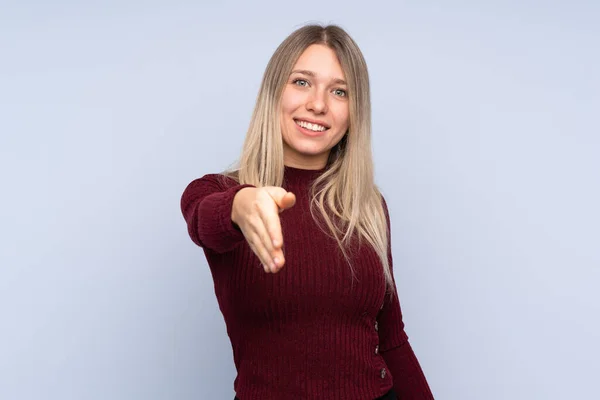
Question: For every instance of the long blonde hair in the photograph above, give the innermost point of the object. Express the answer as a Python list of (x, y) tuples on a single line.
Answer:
[(345, 195)]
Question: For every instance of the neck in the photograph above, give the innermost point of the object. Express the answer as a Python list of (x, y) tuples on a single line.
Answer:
[(314, 162)]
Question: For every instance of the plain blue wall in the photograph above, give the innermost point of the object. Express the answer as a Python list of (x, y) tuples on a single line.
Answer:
[(486, 138)]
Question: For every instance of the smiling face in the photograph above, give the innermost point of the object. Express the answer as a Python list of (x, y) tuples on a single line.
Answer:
[(314, 108)]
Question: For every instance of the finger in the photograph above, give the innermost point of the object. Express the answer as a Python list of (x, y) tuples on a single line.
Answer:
[(272, 226), (274, 253), (261, 229), (255, 251), (262, 253), (267, 230)]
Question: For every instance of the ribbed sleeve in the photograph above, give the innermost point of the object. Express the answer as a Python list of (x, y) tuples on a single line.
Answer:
[(409, 380), (206, 206)]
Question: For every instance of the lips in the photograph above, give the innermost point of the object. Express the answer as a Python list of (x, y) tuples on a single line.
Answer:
[(311, 125)]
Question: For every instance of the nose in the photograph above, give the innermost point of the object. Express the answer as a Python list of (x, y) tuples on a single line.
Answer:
[(317, 102)]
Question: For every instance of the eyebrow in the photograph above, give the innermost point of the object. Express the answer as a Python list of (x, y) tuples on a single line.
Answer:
[(312, 74)]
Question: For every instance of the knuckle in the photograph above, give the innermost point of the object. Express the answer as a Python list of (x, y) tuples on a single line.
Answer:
[(268, 243), (254, 241), (275, 228), (255, 222)]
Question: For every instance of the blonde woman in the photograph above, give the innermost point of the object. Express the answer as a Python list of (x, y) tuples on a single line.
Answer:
[(297, 237)]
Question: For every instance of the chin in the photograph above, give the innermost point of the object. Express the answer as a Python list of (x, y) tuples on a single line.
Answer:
[(308, 150)]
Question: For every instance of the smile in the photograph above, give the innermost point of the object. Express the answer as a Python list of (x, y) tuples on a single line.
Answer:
[(310, 126)]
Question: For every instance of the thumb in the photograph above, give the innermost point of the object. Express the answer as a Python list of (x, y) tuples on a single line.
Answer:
[(282, 198), (287, 201)]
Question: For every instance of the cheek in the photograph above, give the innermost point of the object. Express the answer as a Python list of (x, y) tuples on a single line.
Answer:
[(289, 102), (342, 116)]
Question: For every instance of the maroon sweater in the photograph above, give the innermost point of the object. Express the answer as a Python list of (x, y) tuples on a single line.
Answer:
[(311, 331)]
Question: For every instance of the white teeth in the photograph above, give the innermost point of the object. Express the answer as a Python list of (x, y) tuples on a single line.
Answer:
[(311, 127)]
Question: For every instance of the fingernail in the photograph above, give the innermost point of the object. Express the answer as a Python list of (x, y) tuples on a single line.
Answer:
[(276, 260)]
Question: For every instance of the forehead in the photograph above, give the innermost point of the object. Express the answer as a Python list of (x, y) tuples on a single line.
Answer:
[(320, 60)]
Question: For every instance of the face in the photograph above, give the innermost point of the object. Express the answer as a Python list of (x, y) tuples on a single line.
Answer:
[(314, 108)]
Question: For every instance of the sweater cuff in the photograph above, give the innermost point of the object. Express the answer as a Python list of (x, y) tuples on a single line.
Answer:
[(409, 380), (225, 209), (216, 208)]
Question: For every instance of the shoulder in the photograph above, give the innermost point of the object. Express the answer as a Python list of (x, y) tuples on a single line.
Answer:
[(211, 182), (382, 198), (384, 206)]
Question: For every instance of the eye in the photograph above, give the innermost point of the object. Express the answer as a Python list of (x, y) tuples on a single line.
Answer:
[(300, 82), (340, 92)]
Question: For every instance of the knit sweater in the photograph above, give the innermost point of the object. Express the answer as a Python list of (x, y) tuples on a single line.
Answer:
[(313, 330)]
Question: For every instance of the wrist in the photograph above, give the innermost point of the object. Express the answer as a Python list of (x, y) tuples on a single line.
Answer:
[(235, 208)]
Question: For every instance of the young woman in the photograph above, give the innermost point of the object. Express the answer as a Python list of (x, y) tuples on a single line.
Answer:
[(297, 237)]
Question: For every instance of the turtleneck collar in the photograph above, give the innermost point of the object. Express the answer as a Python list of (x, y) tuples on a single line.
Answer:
[(294, 175)]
